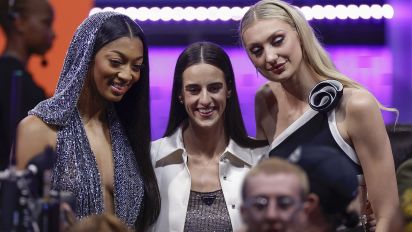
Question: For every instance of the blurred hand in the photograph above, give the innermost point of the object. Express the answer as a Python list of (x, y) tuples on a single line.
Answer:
[(68, 217), (370, 216)]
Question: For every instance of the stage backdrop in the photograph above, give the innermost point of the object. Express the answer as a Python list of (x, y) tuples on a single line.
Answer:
[(370, 66)]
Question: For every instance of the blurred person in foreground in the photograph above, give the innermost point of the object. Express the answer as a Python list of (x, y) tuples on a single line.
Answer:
[(311, 191), (274, 195), (333, 186)]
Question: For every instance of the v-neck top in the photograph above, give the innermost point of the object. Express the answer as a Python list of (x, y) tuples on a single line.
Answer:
[(76, 168), (76, 171), (316, 129)]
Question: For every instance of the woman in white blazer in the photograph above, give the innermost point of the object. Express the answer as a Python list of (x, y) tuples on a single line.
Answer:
[(205, 153)]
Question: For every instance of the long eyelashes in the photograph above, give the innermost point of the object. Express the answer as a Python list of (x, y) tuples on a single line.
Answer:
[(275, 42), (115, 63)]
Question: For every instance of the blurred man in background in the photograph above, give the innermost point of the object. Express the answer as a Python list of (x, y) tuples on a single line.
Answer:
[(28, 28)]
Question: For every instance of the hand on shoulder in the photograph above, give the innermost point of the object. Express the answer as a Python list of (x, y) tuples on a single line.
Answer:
[(264, 100)]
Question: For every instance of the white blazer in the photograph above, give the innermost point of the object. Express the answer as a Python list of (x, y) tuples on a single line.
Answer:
[(169, 159)]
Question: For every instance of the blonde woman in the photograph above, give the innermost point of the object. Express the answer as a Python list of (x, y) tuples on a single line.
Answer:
[(307, 101)]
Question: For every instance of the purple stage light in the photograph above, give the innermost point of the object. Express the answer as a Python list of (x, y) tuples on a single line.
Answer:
[(143, 14), (376, 11), (177, 14), (353, 12), (225, 13), (330, 12), (342, 12), (213, 13), (307, 12), (317, 12), (154, 14), (388, 11), (201, 13), (189, 13), (370, 66), (364, 11), (166, 14)]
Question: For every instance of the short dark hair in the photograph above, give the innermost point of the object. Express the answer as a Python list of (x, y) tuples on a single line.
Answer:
[(134, 114), (213, 54), (10, 9)]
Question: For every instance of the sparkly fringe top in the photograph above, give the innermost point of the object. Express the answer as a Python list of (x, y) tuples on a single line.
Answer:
[(76, 168)]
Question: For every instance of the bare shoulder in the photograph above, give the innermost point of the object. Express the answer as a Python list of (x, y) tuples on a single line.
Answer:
[(358, 101), (360, 113), (33, 136), (32, 125)]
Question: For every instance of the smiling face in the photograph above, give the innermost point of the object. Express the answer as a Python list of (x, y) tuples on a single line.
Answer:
[(204, 94), (274, 48), (117, 67)]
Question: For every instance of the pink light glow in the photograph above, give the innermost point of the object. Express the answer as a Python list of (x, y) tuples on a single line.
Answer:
[(370, 66)]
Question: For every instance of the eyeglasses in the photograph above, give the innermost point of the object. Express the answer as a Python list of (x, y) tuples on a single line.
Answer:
[(261, 203)]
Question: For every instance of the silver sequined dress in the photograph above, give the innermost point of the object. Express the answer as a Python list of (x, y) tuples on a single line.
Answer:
[(207, 212), (76, 168)]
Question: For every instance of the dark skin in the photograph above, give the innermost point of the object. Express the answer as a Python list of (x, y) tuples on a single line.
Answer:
[(31, 32), (113, 72)]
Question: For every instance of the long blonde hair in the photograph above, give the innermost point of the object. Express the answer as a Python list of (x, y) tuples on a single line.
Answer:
[(314, 55)]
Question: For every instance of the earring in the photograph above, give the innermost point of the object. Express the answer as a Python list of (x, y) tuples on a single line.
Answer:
[(180, 100)]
